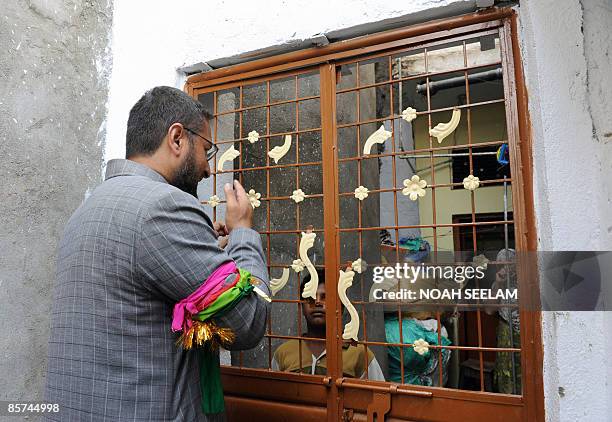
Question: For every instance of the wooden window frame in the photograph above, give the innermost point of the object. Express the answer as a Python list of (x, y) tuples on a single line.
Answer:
[(254, 392)]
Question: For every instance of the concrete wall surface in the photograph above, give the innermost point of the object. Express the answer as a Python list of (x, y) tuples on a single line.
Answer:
[(54, 68), (566, 55)]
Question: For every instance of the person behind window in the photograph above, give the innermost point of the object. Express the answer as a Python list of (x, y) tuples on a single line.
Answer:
[(421, 367), (507, 371), (418, 327), (314, 361)]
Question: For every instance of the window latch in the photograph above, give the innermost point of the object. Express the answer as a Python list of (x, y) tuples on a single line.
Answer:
[(379, 406)]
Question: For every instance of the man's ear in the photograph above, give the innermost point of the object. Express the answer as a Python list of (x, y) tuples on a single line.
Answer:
[(175, 138)]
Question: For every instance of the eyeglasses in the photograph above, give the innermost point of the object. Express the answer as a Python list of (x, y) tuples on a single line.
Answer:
[(213, 149)]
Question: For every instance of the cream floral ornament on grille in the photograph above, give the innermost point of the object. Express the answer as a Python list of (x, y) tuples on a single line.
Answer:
[(254, 198), (297, 265), (409, 114), (361, 193), (471, 182), (414, 187), (213, 201), (359, 266), (480, 261), (420, 346), (298, 195), (253, 136)]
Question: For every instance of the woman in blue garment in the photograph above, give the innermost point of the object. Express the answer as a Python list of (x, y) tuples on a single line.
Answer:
[(421, 364)]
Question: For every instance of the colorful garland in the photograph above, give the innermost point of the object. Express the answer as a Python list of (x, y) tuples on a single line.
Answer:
[(220, 293)]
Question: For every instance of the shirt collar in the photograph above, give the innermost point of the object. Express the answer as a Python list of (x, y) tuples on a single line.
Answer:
[(306, 349), (121, 167)]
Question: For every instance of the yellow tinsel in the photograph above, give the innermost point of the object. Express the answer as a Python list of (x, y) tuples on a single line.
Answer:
[(207, 331)]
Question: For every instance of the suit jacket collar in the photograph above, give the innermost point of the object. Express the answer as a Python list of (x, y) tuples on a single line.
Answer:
[(121, 167)]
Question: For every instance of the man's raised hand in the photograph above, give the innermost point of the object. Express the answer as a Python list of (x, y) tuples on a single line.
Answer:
[(239, 212)]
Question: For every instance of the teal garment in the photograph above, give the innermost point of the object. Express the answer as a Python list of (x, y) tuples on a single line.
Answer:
[(413, 244), (418, 369)]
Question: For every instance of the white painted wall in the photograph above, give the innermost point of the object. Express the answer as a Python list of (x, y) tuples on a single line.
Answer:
[(568, 80), (570, 102), (153, 38)]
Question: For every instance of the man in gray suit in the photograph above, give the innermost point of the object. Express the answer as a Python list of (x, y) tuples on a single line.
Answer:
[(140, 243)]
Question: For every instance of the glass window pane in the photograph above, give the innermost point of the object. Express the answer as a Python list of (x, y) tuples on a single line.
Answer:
[(346, 76), (228, 100), (346, 107), (255, 94), (308, 85), (347, 142), (254, 119), (374, 103), (282, 89), (282, 118), (310, 114), (374, 71), (228, 126), (310, 147)]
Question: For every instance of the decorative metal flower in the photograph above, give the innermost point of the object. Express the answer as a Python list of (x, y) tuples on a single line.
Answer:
[(420, 346), (298, 195), (359, 265), (481, 261), (253, 136), (409, 114), (414, 187), (254, 198), (361, 193), (471, 182), (213, 201), (297, 265)]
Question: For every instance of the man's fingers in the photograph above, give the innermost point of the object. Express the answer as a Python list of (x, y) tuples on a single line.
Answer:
[(239, 189), (241, 195), (223, 240), (220, 228), (216, 228), (230, 196)]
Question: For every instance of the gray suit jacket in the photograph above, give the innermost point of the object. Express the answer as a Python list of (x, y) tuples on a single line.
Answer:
[(133, 249)]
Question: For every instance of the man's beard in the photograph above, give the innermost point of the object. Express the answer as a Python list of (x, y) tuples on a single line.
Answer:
[(186, 176)]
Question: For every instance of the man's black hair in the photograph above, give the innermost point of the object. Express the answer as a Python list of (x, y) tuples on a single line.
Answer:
[(154, 113), (306, 279)]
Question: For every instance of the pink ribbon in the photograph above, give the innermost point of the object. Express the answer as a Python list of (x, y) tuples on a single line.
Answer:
[(207, 293)]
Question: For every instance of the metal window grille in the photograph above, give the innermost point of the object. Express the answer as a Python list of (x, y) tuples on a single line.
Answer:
[(329, 105)]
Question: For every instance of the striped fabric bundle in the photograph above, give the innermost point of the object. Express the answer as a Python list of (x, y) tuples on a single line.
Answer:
[(223, 290)]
